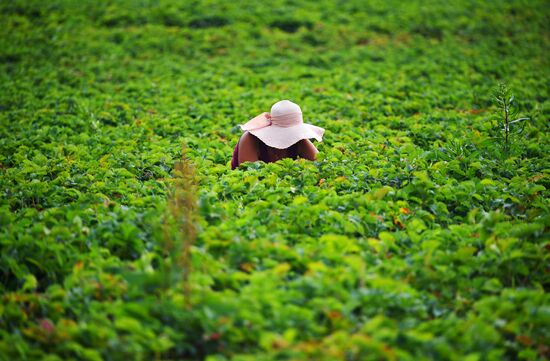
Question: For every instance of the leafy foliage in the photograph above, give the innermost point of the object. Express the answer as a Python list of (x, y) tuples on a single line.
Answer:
[(413, 236)]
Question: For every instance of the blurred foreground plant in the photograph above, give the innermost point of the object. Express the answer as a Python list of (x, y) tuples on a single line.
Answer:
[(180, 229)]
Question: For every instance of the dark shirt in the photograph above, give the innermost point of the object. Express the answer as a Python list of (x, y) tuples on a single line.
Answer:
[(263, 156)]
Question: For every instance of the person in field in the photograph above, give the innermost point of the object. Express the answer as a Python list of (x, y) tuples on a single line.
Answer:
[(279, 134)]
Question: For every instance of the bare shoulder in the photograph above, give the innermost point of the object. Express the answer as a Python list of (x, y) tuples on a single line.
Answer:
[(248, 148), (248, 141), (307, 150)]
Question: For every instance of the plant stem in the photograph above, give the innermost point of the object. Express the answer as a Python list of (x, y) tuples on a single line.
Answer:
[(506, 121)]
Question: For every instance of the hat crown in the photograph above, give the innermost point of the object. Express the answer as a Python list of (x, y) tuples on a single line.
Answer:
[(284, 107)]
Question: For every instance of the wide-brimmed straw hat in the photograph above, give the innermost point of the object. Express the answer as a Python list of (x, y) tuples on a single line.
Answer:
[(283, 127)]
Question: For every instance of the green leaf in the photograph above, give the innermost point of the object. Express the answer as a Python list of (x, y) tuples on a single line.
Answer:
[(30, 283), (381, 192), (128, 324)]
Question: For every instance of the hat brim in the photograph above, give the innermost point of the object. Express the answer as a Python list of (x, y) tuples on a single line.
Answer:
[(283, 137)]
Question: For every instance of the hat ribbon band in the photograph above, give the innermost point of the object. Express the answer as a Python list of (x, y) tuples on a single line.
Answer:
[(287, 120), (265, 120)]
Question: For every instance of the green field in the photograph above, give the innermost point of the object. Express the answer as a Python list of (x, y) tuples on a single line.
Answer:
[(419, 233)]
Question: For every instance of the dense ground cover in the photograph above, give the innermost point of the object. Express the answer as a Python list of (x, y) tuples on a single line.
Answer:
[(415, 235)]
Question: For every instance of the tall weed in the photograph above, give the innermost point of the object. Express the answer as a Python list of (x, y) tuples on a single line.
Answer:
[(508, 125), (180, 231)]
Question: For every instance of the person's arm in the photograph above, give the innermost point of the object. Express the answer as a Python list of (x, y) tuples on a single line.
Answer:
[(248, 148), (307, 150)]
